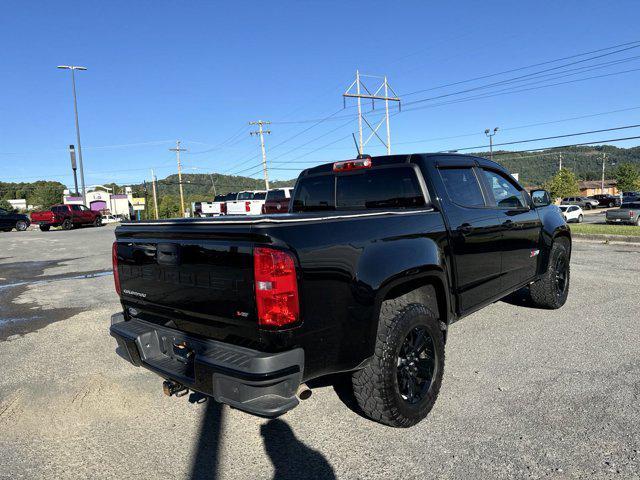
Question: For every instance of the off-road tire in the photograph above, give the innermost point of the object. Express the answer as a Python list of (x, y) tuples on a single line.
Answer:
[(545, 292), (67, 224), (45, 228), (375, 387)]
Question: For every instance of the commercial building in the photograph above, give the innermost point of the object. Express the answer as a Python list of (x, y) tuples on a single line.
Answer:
[(594, 187), (100, 199)]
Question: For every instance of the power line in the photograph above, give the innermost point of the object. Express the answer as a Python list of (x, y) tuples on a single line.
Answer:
[(548, 62), (546, 138), (521, 77), (509, 91)]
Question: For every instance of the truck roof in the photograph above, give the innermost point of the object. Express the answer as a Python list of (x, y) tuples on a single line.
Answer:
[(441, 158)]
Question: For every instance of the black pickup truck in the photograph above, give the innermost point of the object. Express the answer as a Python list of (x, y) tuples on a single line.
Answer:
[(376, 258)]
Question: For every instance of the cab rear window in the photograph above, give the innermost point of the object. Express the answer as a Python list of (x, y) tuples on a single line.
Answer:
[(383, 188)]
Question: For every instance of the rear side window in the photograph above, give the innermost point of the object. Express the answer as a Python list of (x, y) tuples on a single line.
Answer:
[(462, 186), (218, 198), (230, 196), (245, 196), (396, 187), (383, 188), (315, 193), (276, 195)]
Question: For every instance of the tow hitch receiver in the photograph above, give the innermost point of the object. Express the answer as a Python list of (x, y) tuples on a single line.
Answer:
[(172, 388)]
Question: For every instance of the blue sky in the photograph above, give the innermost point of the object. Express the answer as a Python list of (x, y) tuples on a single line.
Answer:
[(199, 71)]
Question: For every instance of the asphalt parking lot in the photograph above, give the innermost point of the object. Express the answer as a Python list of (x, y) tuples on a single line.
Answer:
[(527, 393)]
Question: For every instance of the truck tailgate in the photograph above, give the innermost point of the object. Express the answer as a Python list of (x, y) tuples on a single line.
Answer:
[(42, 217), (195, 281), (619, 214)]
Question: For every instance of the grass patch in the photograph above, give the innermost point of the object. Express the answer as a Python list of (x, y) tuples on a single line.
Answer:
[(631, 230)]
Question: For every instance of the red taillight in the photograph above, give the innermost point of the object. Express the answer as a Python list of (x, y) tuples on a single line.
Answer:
[(348, 165), (276, 287), (631, 213), (247, 206), (223, 208), (114, 260)]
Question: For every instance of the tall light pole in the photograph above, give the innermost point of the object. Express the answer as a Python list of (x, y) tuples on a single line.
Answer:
[(490, 134), (73, 68)]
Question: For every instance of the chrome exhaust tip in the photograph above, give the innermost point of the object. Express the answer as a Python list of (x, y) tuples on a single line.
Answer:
[(303, 392)]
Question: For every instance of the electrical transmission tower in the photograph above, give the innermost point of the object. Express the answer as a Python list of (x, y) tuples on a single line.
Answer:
[(178, 150), (261, 132), (360, 91)]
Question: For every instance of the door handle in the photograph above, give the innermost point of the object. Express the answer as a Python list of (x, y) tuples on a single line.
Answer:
[(507, 224), (465, 228)]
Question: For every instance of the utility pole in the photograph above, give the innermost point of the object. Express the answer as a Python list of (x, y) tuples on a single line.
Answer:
[(560, 165), (155, 195), (178, 150), (73, 69), (213, 184), (355, 90), (490, 134), (604, 156), (261, 132)]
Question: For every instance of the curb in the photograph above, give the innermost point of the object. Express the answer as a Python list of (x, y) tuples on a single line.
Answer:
[(606, 238)]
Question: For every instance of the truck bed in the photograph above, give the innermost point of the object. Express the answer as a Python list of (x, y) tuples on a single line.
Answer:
[(196, 275)]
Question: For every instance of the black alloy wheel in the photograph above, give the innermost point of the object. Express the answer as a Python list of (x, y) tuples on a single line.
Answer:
[(417, 364), (561, 274)]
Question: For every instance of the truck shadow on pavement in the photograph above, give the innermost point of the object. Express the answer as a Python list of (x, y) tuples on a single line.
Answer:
[(291, 458)]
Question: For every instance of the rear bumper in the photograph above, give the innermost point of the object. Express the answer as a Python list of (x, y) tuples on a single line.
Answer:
[(256, 382)]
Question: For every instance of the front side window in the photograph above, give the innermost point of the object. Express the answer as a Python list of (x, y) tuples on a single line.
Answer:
[(260, 196), (505, 193), (76, 207), (462, 186)]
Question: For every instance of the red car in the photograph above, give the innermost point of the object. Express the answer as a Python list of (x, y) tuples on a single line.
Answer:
[(67, 217), (277, 201)]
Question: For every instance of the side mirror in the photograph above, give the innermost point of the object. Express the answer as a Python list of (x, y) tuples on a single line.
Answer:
[(541, 198)]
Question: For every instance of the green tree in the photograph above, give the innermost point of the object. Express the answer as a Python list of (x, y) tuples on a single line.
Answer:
[(169, 207), (563, 184), (6, 205), (628, 177), (46, 194)]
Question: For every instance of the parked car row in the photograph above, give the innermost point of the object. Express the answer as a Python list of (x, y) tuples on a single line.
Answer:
[(594, 201), (246, 203)]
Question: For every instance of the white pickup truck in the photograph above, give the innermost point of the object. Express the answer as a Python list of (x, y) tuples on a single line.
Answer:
[(247, 203)]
